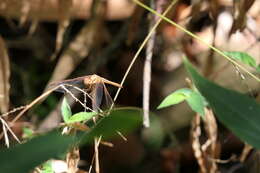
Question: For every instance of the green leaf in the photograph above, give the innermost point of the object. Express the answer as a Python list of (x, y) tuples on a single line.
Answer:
[(196, 102), (123, 120), (65, 110), (175, 98), (236, 111), (242, 57), (81, 116), (47, 167), (193, 98), (27, 133), (25, 157), (258, 68), (153, 137)]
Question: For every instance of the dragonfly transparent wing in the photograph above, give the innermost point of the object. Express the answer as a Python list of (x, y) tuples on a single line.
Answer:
[(108, 99), (97, 96), (70, 84), (101, 98)]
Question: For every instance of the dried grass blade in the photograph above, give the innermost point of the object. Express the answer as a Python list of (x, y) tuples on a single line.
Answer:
[(196, 146), (64, 21), (4, 77), (211, 129), (79, 48)]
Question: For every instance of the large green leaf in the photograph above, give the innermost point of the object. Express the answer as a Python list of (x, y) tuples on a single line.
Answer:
[(236, 111), (24, 157), (242, 57), (153, 137), (123, 120)]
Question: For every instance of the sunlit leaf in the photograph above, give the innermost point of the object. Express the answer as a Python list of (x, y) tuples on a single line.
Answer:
[(193, 98), (242, 57), (175, 98), (27, 133), (47, 167), (196, 102), (25, 157), (236, 111), (81, 116), (123, 120), (65, 110)]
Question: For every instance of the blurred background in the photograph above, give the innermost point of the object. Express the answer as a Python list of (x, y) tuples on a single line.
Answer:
[(44, 41)]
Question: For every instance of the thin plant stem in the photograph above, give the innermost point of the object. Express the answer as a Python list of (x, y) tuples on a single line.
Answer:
[(5, 135), (75, 98), (197, 38), (97, 142), (147, 73), (27, 107), (140, 49), (12, 111), (10, 130)]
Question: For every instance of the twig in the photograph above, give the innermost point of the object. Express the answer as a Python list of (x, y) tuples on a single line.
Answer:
[(12, 111), (147, 73), (232, 158), (108, 144), (246, 150), (75, 98), (147, 64), (85, 98), (97, 142), (5, 134), (196, 146), (27, 107), (5, 128), (121, 135), (91, 164)]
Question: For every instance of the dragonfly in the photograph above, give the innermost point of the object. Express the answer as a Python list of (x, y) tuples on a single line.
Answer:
[(93, 86)]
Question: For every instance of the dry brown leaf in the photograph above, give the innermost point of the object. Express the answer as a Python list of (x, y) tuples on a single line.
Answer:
[(82, 44), (72, 159), (211, 147), (252, 163), (196, 146), (49, 11), (35, 18), (25, 9), (197, 6), (240, 14), (214, 6), (208, 153), (64, 21), (245, 153), (4, 77)]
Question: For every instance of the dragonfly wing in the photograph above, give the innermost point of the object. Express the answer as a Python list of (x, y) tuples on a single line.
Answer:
[(108, 99), (97, 95), (70, 84)]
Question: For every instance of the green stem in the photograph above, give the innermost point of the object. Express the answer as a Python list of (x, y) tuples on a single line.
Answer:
[(196, 37)]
